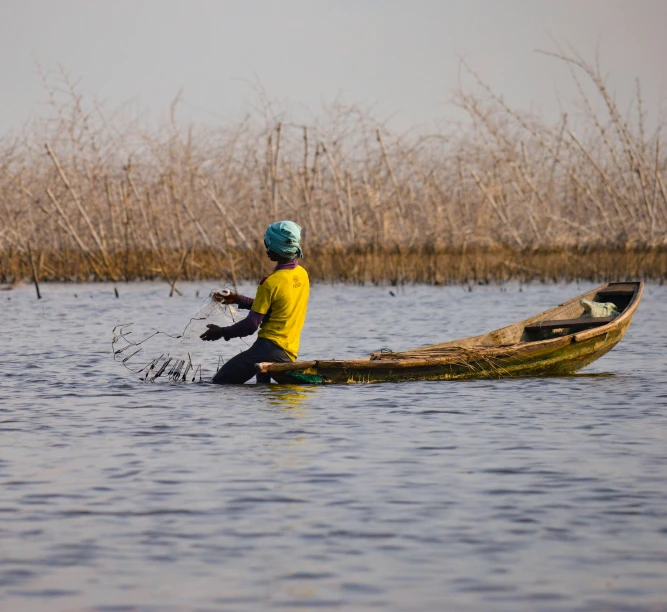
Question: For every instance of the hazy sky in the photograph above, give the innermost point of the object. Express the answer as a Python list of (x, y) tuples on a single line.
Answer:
[(399, 55)]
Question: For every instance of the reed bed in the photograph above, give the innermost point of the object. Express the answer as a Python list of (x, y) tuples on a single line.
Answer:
[(87, 194), (362, 265)]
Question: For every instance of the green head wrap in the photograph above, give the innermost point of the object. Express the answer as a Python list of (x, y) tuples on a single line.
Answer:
[(282, 238)]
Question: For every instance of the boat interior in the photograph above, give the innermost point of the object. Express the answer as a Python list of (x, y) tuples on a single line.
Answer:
[(619, 294), (568, 318)]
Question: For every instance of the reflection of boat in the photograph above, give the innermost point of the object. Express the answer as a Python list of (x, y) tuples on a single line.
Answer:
[(556, 341), (287, 398)]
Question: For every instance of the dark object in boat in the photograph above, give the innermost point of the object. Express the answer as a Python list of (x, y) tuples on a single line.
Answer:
[(556, 341)]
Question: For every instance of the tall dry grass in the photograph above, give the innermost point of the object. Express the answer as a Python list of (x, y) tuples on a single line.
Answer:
[(88, 194)]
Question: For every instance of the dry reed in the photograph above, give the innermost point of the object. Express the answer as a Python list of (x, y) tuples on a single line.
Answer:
[(85, 195)]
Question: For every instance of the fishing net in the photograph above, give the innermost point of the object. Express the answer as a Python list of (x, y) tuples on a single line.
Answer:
[(180, 356)]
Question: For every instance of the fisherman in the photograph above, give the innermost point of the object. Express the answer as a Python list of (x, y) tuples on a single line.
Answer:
[(278, 310)]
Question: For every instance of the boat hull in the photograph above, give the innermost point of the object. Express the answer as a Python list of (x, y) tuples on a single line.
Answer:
[(554, 356)]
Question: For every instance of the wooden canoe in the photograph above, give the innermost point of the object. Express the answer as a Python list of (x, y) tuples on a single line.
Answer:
[(556, 341)]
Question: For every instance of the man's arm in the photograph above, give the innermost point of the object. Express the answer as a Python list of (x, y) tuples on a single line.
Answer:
[(229, 297), (246, 327), (245, 303), (250, 324)]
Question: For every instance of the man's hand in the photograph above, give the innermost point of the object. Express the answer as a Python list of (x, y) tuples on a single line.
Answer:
[(214, 332), (225, 297)]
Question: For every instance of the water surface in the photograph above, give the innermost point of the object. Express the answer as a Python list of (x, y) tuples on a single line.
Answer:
[(528, 494)]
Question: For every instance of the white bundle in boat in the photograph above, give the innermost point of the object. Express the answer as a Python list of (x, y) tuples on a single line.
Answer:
[(598, 309)]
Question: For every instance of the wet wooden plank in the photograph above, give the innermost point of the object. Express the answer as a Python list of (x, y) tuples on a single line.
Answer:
[(582, 323)]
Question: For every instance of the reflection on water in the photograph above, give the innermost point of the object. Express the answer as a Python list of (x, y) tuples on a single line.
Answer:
[(523, 494), (584, 374), (288, 397)]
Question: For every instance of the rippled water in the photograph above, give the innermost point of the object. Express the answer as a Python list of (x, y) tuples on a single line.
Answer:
[(532, 494)]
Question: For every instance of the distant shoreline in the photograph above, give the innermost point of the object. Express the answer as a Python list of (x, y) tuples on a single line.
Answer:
[(356, 265)]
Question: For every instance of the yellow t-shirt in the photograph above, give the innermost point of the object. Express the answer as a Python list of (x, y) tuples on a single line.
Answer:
[(283, 298)]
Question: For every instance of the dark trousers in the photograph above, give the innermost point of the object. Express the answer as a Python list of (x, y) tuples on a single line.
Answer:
[(241, 368)]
